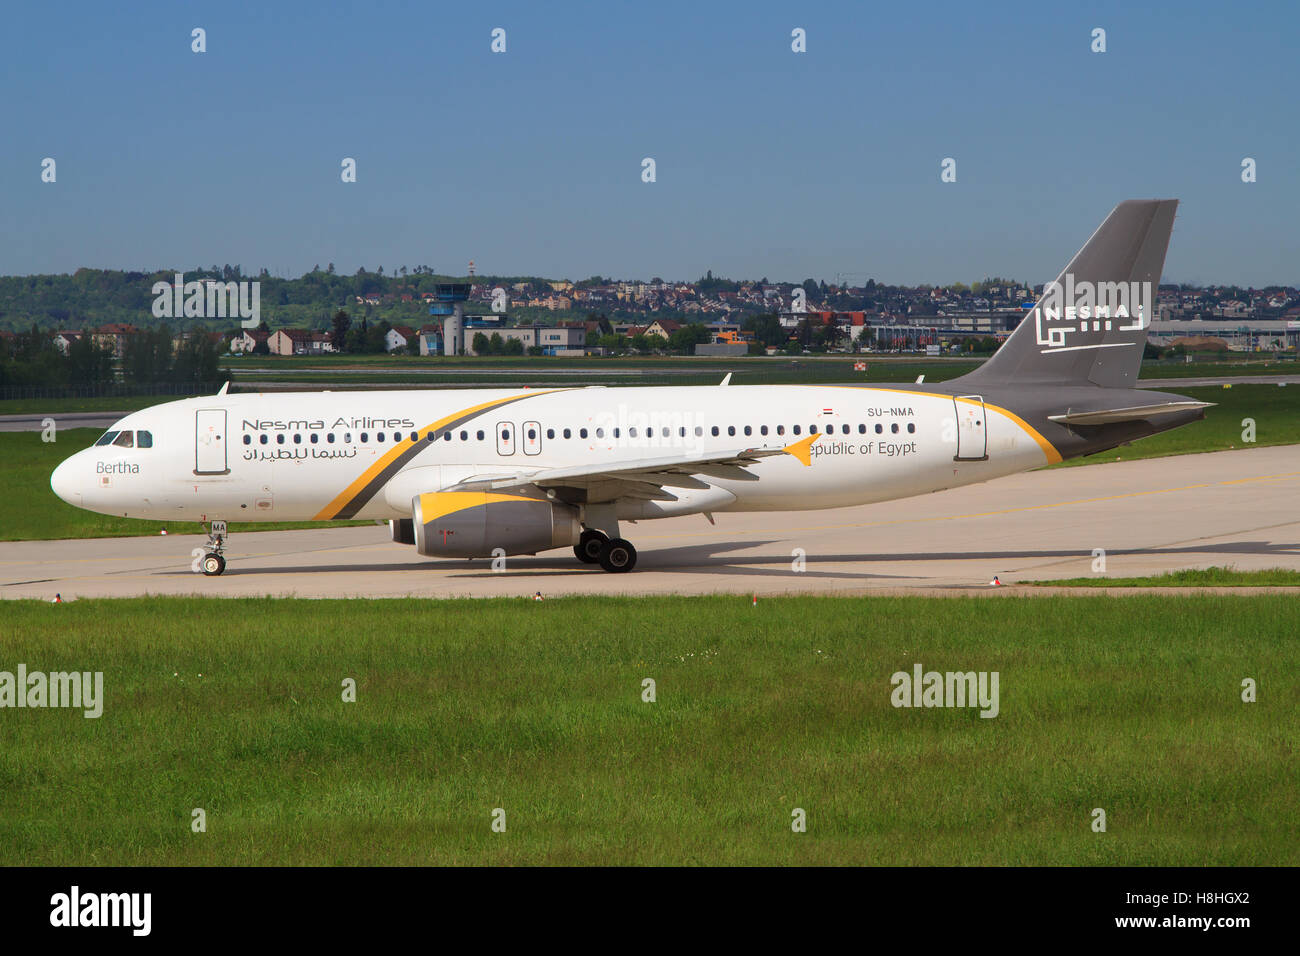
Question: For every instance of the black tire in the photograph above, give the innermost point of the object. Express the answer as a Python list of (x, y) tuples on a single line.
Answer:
[(587, 550), (212, 564), (618, 556)]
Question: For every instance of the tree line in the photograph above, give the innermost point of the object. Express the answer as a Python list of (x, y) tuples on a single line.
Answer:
[(31, 359)]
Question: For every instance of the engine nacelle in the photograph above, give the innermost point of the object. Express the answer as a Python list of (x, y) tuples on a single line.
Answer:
[(472, 524)]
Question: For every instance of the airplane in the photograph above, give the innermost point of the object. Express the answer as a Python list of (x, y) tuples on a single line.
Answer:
[(496, 472)]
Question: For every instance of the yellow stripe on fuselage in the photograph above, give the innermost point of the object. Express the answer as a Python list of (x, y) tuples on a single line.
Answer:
[(351, 491)]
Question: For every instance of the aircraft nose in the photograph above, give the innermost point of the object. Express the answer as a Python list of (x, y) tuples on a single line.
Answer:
[(63, 482)]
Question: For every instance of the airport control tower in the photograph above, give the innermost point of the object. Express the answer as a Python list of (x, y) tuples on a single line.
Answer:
[(451, 308)]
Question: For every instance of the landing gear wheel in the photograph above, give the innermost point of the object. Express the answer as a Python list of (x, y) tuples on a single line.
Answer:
[(587, 550), (618, 556), (213, 564)]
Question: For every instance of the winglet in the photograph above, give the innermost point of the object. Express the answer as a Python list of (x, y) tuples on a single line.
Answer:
[(224, 385), (802, 449), (726, 380)]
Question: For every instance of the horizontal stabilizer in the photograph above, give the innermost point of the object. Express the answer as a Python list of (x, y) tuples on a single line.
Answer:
[(1133, 413)]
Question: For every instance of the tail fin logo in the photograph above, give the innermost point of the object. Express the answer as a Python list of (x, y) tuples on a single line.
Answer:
[(1098, 307)]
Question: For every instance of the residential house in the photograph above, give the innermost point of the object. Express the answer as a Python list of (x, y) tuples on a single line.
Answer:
[(663, 327), (63, 340), (398, 337), (289, 342), (114, 336), (246, 340)]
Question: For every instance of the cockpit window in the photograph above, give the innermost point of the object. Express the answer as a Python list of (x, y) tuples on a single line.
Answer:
[(106, 439), (144, 439), (124, 440)]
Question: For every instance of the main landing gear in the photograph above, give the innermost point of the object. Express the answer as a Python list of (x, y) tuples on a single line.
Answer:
[(213, 561), (613, 554)]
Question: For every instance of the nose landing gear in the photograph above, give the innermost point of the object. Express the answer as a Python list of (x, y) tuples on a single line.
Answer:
[(213, 561)]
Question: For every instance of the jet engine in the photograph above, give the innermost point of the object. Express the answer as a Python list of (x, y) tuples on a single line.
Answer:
[(473, 524)]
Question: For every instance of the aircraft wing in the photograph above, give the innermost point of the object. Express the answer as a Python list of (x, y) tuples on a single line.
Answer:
[(644, 478)]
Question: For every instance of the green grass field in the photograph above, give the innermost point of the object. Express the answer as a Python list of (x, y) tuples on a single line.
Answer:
[(1191, 578), (30, 511), (1132, 705)]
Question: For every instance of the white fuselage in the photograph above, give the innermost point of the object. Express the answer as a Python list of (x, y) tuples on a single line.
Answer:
[(327, 455)]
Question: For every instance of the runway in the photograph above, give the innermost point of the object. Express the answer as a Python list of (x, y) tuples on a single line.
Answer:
[(1239, 508)]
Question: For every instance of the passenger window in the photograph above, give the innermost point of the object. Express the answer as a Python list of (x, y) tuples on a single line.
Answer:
[(365, 437), (615, 433), (879, 429), (748, 430), (248, 439), (731, 429), (714, 430), (600, 433), (630, 431), (279, 439), (911, 428), (297, 439), (144, 439), (428, 436), (582, 433), (379, 436), (699, 431), (464, 436), (894, 428), (415, 436), (446, 436), (795, 429), (330, 438), (862, 429), (550, 433), (315, 438), (106, 439), (780, 429), (666, 432), (812, 429), (263, 439), (567, 433), (347, 438)]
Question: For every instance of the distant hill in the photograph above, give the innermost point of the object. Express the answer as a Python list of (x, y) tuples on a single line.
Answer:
[(93, 297)]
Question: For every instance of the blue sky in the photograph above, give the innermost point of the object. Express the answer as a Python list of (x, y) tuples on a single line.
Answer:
[(769, 163)]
